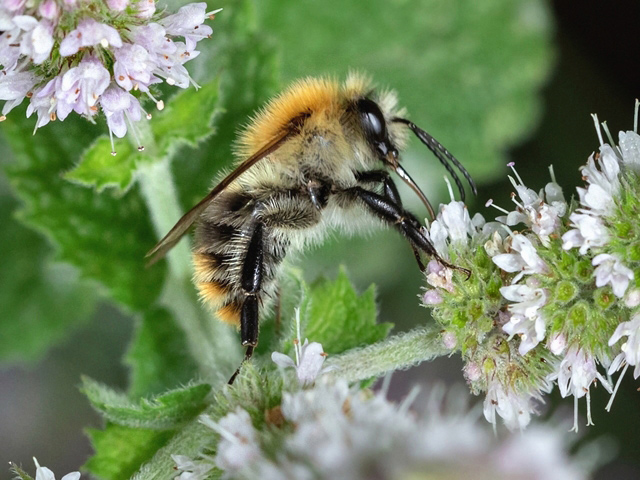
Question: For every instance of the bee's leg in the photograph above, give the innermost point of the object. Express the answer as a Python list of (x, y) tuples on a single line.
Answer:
[(403, 220), (251, 281), (390, 192)]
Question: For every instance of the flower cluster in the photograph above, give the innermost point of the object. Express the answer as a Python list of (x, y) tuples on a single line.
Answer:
[(332, 431), (84, 56), (546, 304)]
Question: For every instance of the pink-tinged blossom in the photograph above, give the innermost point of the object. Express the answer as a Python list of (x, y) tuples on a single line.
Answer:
[(119, 107), (439, 276), (188, 22), (133, 68), (14, 5), (88, 34), (81, 88), (44, 102), (432, 297), (37, 40), (556, 343), (145, 8), (117, 5), (610, 271), (49, 9), (14, 87), (9, 48)]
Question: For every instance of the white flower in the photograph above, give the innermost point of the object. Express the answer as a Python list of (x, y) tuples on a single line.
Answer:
[(191, 469), (631, 348), (43, 473), (525, 260), (575, 375), (610, 270), (238, 445), (591, 232), (308, 364), (531, 332), (629, 143), (515, 409)]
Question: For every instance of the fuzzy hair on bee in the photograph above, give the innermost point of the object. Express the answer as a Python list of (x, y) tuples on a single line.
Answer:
[(316, 159)]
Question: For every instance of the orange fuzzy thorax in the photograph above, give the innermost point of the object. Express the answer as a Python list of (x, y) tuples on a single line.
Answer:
[(318, 96)]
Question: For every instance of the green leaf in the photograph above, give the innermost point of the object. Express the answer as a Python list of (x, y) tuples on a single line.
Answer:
[(158, 355), (121, 450), (469, 72), (186, 120), (106, 236), (40, 303), (165, 411), (334, 315)]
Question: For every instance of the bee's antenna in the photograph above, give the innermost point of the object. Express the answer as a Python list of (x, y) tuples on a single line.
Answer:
[(442, 154)]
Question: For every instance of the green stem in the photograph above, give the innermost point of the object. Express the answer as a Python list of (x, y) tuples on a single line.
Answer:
[(395, 353)]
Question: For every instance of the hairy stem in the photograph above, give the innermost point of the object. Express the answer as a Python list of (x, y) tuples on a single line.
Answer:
[(395, 353)]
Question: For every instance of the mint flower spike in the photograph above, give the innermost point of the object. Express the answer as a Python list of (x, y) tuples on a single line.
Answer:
[(115, 48)]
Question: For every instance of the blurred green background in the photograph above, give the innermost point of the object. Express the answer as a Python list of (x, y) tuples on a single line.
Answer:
[(494, 81)]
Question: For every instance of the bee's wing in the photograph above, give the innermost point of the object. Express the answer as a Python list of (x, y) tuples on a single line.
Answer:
[(180, 228)]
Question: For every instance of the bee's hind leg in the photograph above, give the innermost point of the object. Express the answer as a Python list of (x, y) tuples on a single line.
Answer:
[(252, 269)]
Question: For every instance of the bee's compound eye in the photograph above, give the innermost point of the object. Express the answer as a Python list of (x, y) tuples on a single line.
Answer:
[(372, 120)]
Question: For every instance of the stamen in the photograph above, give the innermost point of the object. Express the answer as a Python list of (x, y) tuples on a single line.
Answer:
[(575, 415), (552, 174), (386, 383), (597, 124), (491, 204), (212, 14), (159, 103), (113, 147), (589, 419), (635, 117), (513, 167), (615, 390), (105, 43), (450, 189), (611, 140), (3, 118)]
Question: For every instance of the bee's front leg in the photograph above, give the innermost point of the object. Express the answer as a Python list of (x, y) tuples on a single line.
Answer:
[(390, 193)]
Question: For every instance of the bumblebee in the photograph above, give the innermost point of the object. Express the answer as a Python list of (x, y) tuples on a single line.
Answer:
[(316, 159)]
